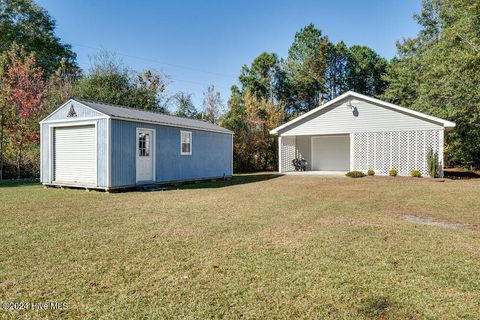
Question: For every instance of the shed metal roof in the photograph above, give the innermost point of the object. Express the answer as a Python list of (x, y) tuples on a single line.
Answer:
[(127, 113)]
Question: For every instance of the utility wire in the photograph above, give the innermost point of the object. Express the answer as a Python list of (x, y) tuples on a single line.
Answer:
[(160, 62), (203, 84)]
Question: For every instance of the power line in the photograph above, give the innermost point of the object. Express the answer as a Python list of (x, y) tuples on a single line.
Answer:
[(203, 84), (160, 62), (169, 77)]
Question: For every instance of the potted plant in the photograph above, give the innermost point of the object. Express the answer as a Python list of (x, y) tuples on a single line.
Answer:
[(299, 164)]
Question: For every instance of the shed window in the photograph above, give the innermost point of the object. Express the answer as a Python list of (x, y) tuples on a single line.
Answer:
[(144, 144), (186, 143)]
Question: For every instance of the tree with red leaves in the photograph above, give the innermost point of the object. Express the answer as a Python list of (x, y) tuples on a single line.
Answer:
[(23, 91)]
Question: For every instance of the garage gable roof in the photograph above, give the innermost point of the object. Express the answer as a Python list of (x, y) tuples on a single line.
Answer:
[(352, 94)]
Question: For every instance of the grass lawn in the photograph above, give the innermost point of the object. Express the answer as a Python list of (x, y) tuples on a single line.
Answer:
[(259, 246)]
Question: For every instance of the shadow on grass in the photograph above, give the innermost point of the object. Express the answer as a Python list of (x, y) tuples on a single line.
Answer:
[(235, 180), (219, 183), (376, 307), (18, 183), (459, 174)]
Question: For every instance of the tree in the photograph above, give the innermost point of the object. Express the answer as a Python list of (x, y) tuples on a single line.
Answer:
[(271, 88), (251, 119), (336, 71), (235, 120), (212, 104), (265, 77), (5, 108), (437, 72), (59, 87), (147, 91), (262, 116), (110, 81), (24, 90), (30, 26), (306, 65), (365, 69), (184, 105)]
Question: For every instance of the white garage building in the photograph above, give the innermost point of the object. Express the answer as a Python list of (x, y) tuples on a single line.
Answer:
[(357, 132)]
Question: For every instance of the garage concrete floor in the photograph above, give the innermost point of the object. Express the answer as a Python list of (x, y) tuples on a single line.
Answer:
[(317, 173)]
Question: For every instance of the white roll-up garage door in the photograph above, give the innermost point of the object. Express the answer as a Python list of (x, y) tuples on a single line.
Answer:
[(75, 155), (331, 153)]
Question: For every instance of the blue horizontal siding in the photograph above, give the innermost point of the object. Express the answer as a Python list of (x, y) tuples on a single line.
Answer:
[(211, 153)]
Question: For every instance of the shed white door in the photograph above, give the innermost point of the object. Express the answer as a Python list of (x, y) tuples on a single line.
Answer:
[(331, 153), (145, 155), (75, 155)]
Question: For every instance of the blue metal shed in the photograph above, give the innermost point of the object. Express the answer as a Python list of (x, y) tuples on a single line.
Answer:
[(92, 144)]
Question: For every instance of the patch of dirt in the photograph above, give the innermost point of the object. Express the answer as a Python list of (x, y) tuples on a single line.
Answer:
[(431, 222)]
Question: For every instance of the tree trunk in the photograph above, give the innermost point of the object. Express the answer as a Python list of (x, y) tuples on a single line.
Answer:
[(18, 165), (1, 145), (19, 160)]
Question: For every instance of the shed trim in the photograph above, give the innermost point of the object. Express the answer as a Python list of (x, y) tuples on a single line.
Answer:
[(74, 120), (168, 125), (182, 132), (105, 115), (153, 152), (109, 153), (51, 147), (44, 120)]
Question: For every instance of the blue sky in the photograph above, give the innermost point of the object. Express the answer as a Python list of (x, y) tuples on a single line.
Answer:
[(199, 43)]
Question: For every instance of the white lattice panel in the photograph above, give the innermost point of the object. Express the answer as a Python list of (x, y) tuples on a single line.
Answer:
[(288, 153), (403, 151)]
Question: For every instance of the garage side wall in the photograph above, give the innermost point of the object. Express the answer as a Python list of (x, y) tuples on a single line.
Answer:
[(211, 154), (403, 151), (304, 149)]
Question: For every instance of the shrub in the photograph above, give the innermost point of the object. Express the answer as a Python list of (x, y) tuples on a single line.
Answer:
[(371, 172), (355, 174), (432, 163), (416, 174), (393, 173)]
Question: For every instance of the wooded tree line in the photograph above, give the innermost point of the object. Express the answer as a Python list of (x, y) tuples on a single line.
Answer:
[(273, 90), (38, 73), (436, 72)]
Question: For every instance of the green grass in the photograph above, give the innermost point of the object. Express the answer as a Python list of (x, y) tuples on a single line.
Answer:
[(258, 246)]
